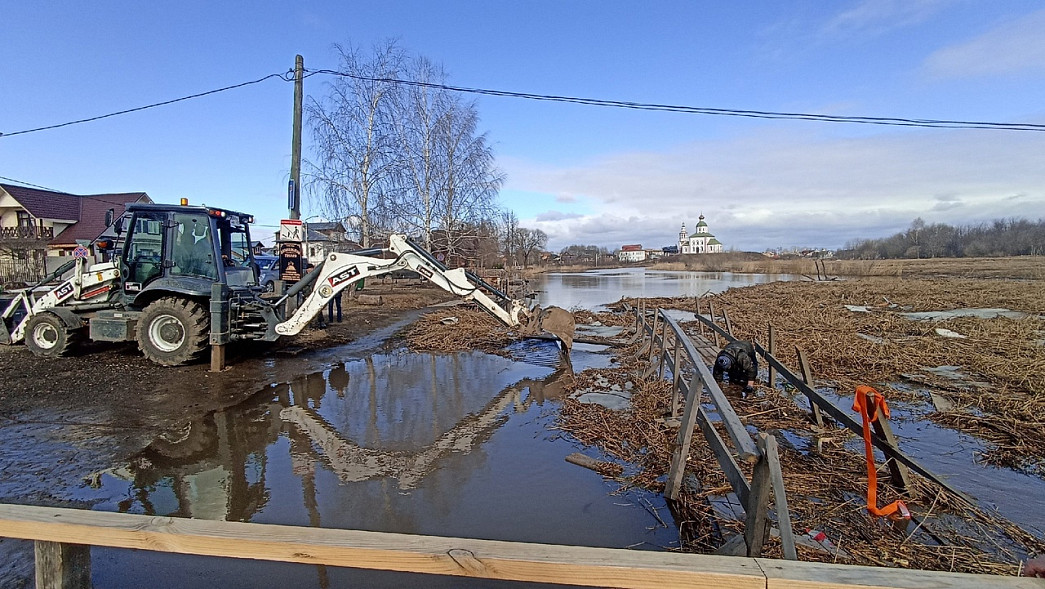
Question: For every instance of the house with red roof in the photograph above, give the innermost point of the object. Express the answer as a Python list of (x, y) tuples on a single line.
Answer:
[(58, 220)]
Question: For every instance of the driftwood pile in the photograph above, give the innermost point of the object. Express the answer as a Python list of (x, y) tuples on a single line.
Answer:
[(457, 329), (1000, 399), (826, 488)]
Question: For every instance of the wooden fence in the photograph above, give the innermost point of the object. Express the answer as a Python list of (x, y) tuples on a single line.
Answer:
[(64, 536), (882, 435), (667, 346)]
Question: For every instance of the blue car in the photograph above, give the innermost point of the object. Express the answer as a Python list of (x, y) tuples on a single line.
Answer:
[(269, 266)]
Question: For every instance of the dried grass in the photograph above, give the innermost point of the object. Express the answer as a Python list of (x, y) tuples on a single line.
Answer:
[(473, 329)]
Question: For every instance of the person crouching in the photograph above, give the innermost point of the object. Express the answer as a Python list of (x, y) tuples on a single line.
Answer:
[(739, 362)]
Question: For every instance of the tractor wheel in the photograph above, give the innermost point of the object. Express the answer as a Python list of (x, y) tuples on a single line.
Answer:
[(173, 331), (47, 335)]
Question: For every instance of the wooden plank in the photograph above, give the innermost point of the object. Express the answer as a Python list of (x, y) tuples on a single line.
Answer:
[(729, 324), (519, 561), (725, 459), (62, 566), (756, 526), (807, 376), (790, 574), (546, 563), (742, 441), (683, 440), (767, 444)]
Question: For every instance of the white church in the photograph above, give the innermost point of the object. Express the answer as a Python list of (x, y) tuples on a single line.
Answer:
[(700, 242)]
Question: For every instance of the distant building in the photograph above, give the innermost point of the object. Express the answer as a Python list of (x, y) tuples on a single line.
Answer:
[(631, 253), (700, 242)]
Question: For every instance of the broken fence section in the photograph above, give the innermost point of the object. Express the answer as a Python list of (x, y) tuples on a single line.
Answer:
[(666, 345)]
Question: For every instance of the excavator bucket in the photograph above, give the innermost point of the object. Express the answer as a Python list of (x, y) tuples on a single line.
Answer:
[(554, 320)]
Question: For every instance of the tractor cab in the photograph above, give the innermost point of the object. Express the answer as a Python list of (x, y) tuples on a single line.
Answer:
[(185, 249)]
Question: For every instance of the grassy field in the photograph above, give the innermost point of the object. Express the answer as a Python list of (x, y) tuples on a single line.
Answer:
[(1021, 267)]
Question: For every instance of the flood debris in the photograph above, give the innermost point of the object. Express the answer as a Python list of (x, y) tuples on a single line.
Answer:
[(600, 466)]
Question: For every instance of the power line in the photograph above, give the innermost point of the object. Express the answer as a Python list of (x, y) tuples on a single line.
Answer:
[(696, 110), (30, 184), (95, 197), (282, 76), (889, 121)]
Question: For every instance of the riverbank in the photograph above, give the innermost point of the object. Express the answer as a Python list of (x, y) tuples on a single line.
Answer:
[(1016, 268), (975, 375)]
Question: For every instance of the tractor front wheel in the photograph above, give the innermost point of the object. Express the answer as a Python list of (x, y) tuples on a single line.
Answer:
[(47, 335), (173, 331)]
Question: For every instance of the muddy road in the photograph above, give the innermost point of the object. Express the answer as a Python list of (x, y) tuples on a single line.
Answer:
[(63, 419)]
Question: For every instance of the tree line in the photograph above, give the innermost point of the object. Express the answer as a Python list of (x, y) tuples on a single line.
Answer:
[(395, 157), (998, 238)]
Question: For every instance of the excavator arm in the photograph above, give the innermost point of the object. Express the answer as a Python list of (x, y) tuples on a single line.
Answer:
[(340, 271)]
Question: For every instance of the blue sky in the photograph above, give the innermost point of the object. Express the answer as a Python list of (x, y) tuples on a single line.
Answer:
[(583, 174)]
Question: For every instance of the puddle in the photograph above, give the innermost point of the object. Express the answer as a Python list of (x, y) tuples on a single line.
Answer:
[(956, 313), (451, 445), (1016, 496)]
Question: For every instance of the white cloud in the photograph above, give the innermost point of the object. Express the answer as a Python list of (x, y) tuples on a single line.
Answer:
[(783, 189), (872, 17), (1017, 46)]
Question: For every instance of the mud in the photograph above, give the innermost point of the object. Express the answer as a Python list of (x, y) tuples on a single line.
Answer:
[(63, 418)]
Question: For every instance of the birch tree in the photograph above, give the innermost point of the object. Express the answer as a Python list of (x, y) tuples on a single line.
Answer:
[(355, 150)]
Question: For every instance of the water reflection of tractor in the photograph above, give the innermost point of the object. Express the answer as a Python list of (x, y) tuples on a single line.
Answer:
[(211, 468), (216, 467), (182, 278)]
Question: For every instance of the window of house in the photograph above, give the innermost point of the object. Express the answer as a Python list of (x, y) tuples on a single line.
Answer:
[(25, 219)]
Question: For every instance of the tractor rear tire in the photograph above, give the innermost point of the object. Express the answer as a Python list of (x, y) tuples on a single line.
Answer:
[(47, 335), (173, 331)]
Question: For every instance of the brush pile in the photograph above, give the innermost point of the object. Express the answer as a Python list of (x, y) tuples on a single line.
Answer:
[(457, 329), (826, 487), (1001, 361)]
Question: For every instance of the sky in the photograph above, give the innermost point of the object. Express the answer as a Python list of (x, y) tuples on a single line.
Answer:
[(582, 174)]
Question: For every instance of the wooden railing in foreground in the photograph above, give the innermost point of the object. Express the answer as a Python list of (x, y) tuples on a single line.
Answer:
[(68, 534), (881, 437), (669, 347)]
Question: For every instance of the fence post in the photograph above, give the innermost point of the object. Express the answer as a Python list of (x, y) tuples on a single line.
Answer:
[(711, 314), (676, 377), (653, 337), (62, 566), (756, 525), (702, 327), (729, 324), (899, 476), (772, 352), (807, 376)]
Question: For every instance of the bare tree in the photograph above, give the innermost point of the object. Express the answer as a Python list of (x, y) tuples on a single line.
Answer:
[(531, 244), (355, 150), (420, 109), (510, 237), (470, 181)]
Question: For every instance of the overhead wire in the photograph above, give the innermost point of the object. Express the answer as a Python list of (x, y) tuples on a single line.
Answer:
[(890, 121), (95, 197), (282, 76), (645, 106)]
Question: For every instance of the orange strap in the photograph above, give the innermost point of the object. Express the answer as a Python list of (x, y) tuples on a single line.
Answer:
[(869, 412)]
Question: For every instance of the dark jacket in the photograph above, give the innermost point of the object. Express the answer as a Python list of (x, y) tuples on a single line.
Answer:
[(745, 363)]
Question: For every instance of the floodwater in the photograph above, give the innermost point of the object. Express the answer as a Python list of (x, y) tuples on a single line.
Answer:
[(598, 288), (458, 444)]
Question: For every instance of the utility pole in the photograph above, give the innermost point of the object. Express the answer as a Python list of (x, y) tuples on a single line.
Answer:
[(294, 189)]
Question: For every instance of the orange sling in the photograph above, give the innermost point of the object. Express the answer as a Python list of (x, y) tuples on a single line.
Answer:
[(895, 510)]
